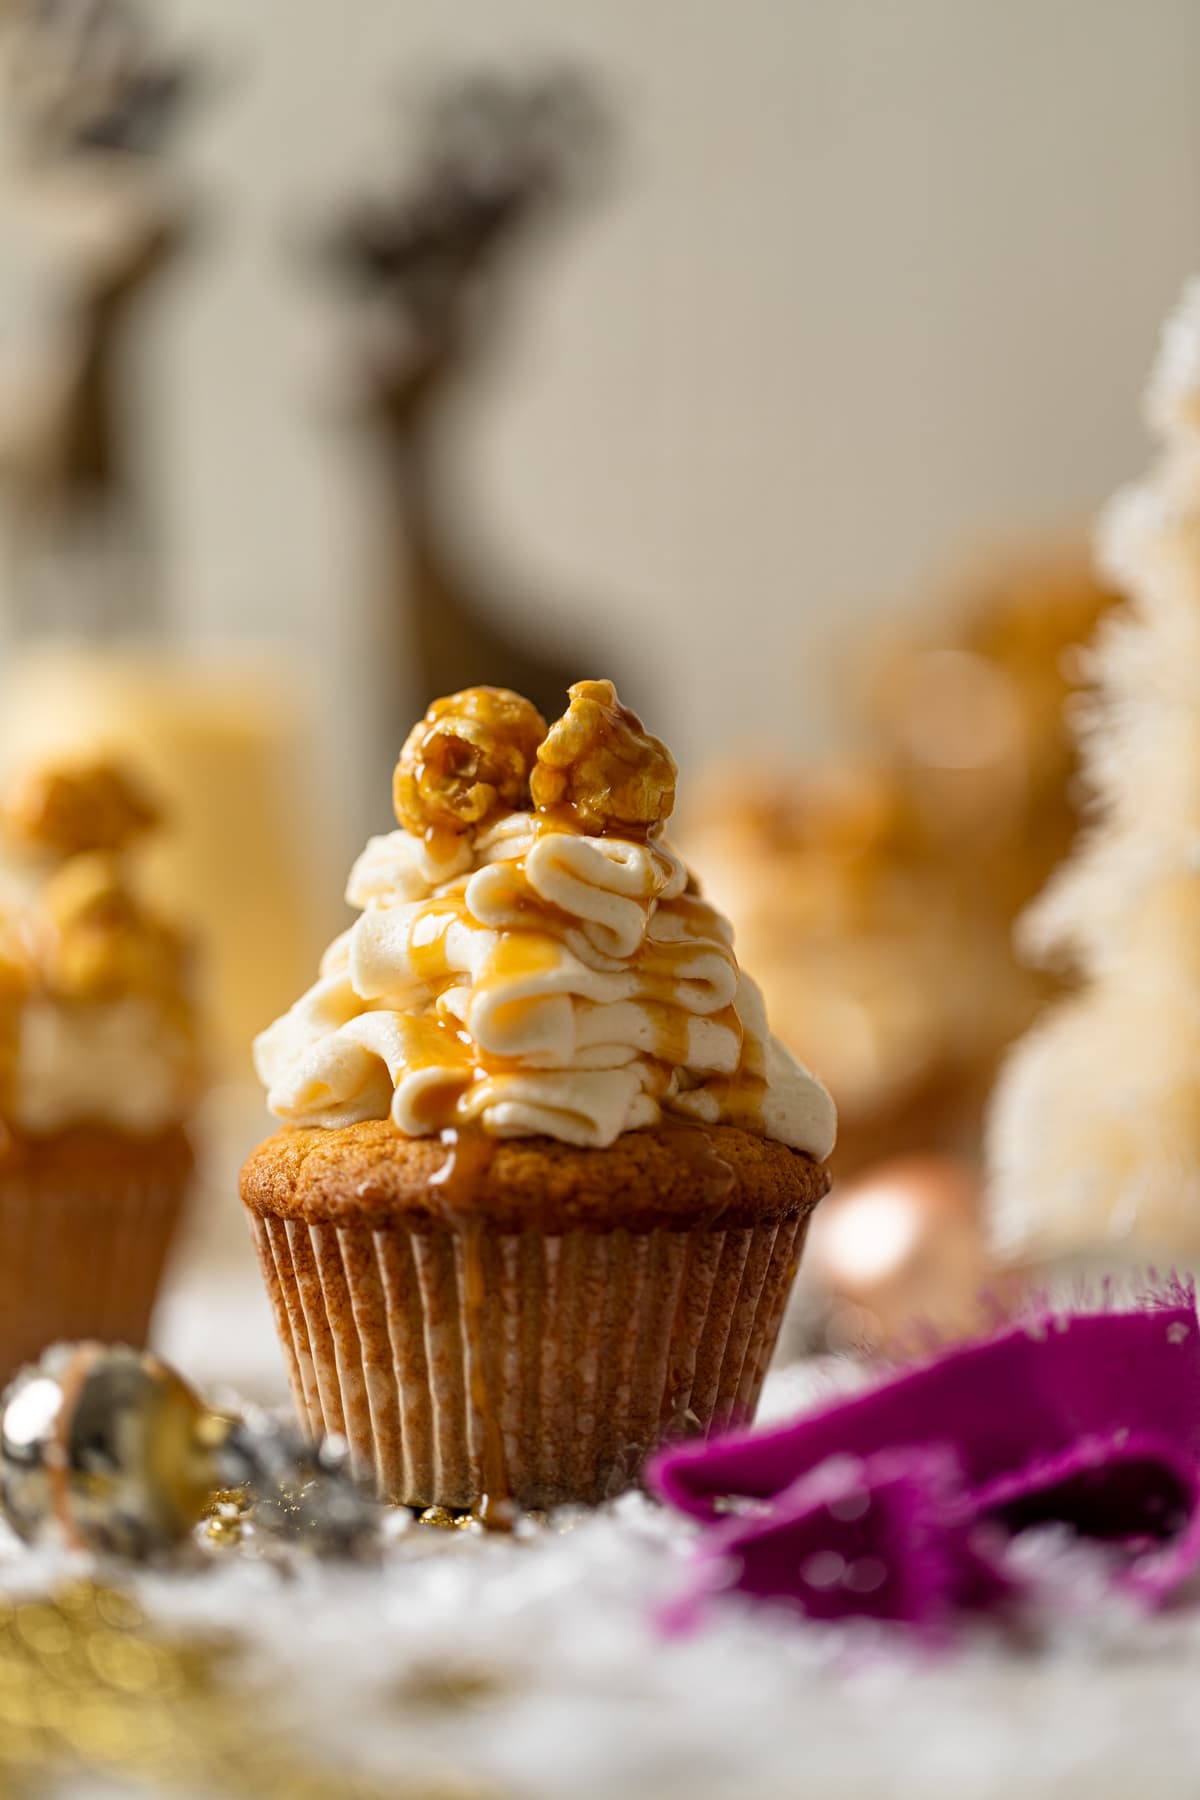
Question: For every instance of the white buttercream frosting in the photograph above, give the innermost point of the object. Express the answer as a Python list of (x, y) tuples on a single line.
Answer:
[(114, 1064), (537, 982)]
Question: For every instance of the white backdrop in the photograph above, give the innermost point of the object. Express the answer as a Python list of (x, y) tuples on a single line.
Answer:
[(870, 284)]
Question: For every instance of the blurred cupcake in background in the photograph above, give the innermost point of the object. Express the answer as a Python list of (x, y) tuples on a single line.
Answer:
[(875, 896), (99, 1064)]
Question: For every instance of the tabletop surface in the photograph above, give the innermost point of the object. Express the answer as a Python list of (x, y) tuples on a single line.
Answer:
[(534, 1665)]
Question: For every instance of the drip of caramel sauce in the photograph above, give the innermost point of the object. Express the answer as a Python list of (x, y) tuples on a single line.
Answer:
[(433, 1042), (442, 842), (672, 1029), (561, 819), (713, 1175), (427, 938), (469, 1152), (518, 954), (740, 1095)]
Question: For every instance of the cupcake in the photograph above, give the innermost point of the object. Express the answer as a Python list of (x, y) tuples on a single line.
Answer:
[(98, 1065), (544, 1174)]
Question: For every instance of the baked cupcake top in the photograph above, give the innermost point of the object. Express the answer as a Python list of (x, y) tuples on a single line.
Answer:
[(531, 954), (97, 1025)]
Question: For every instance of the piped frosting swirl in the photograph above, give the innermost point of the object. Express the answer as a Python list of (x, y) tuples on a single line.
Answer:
[(541, 970)]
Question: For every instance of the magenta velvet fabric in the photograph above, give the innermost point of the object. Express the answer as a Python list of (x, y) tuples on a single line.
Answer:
[(898, 1503)]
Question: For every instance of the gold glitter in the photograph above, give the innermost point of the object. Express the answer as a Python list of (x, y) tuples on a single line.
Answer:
[(225, 1533), (440, 1516), (116, 1609), (227, 1500), (229, 1513), (43, 1628), (87, 1687)]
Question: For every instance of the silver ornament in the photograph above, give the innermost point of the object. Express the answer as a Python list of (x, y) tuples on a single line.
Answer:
[(109, 1449)]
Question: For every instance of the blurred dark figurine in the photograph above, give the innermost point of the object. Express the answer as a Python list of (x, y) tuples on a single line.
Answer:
[(86, 223), (499, 157), (84, 76)]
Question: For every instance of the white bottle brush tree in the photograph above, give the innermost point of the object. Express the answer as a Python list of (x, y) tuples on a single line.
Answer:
[(1095, 1127)]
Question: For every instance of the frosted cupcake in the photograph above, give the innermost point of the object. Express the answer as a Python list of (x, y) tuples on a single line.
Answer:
[(545, 1175), (98, 1065)]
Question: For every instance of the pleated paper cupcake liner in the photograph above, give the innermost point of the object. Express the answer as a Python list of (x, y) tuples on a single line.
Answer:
[(81, 1259), (567, 1358)]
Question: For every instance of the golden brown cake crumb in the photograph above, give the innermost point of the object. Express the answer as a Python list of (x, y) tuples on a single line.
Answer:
[(671, 1176)]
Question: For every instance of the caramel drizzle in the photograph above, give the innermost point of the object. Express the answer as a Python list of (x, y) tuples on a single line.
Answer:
[(531, 949), (740, 1095), (469, 1154), (715, 1178)]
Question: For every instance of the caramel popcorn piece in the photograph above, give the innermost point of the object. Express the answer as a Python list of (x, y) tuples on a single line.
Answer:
[(601, 763), (467, 762), (100, 944), (71, 808), (89, 893)]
